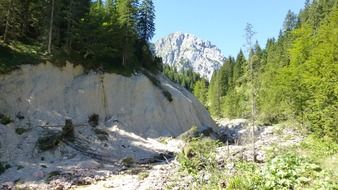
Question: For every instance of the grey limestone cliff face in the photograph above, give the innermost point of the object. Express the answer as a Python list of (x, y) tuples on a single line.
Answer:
[(183, 51)]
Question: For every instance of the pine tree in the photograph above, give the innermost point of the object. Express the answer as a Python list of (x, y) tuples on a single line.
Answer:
[(214, 95), (239, 67), (127, 15), (290, 21), (200, 91), (146, 25)]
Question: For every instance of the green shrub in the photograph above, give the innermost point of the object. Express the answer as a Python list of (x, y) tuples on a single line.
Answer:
[(20, 131), (128, 161), (52, 175), (101, 134), (198, 154), (52, 140), (143, 175), (319, 148), (290, 171), (4, 167), (68, 131), (93, 120), (168, 95), (192, 133), (158, 84), (16, 54), (5, 120), (49, 142)]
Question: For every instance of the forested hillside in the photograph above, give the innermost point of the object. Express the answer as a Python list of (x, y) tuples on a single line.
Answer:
[(294, 77), (98, 34), (187, 78)]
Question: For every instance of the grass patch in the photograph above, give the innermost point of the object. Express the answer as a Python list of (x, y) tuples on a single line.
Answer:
[(143, 175)]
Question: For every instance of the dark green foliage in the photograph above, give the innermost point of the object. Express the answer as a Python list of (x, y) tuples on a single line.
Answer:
[(187, 78), (128, 161), (239, 67), (68, 131), (93, 120), (101, 134), (52, 140), (19, 167), (5, 119), (167, 95), (100, 35), (49, 142), (145, 24), (16, 54), (52, 175), (152, 77), (20, 131), (4, 167)]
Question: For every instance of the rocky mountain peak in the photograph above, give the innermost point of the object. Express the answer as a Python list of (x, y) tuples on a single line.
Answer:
[(183, 51)]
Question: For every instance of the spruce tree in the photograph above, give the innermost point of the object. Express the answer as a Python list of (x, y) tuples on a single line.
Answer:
[(290, 22), (127, 17), (239, 67), (145, 24)]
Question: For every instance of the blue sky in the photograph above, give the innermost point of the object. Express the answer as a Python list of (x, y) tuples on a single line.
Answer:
[(223, 21)]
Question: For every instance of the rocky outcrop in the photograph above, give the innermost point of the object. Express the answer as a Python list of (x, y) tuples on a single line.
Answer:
[(47, 95), (188, 51)]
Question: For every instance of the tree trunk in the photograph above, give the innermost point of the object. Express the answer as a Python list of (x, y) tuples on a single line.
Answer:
[(249, 35), (51, 28), (8, 15), (25, 18), (125, 49), (253, 111), (69, 25)]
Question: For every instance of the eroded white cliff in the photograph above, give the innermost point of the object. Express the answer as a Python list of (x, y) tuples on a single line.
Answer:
[(47, 95)]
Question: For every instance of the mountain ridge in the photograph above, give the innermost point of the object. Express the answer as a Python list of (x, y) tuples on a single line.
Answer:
[(188, 51)]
